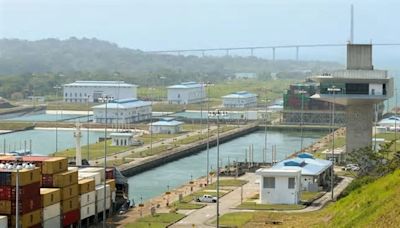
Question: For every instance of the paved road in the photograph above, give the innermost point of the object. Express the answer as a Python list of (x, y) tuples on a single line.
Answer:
[(203, 217), (207, 214)]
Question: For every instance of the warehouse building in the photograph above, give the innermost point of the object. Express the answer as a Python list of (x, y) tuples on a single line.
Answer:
[(186, 93), (91, 91), (241, 99), (166, 126), (122, 111)]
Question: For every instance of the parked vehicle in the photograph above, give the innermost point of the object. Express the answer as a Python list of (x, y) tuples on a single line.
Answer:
[(351, 167), (207, 199)]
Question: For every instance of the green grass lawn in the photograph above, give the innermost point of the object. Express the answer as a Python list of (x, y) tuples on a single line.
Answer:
[(256, 206), (160, 220), (373, 205), (15, 126), (95, 150), (228, 182), (310, 196)]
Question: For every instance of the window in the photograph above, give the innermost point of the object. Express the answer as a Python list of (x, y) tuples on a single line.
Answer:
[(291, 183), (357, 88), (66, 94), (269, 182)]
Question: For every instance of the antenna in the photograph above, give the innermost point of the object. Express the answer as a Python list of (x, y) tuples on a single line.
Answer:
[(351, 24)]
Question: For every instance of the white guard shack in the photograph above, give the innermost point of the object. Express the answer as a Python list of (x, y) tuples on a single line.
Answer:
[(315, 172), (241, 99), (122, 139), (186, 93), (165, 126), (279, 186), (91, 91), (123, 111)]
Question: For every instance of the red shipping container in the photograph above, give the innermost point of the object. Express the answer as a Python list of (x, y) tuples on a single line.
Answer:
[(47, 180), (25, 192), (28, 205), (71, 217), (110, 173)]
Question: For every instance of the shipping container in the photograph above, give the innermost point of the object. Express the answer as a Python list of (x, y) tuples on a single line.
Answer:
[(3, 221), (88, 210), (100, 204), (69, 204), (111, 182), (54, 165), (26, 176), (95, 176), (39, 225), (60, 180), (50, 196), (69, 191), (54, 222), (28, 220), (86, 185), (98, 170), (88, 198), (71, 217), (100, 191), (25, 192), (110, 173), (25, 206), (51, 211)]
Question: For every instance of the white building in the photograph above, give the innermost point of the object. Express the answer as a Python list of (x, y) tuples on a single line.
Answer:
[(279, 186), (91, 91), (165, 126), (241, 99), (315, 172), (123, 139), (186, 93), (122, 111)]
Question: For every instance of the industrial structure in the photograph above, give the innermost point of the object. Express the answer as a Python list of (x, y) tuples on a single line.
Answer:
[(360, 88), (166, 126), (91, 91), (241, 99), (298, 107), (186, 93), (122, 111)]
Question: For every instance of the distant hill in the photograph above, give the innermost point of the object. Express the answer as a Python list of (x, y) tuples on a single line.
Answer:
[(91, 55)]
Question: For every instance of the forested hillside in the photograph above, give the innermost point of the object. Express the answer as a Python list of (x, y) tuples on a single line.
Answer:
[(35, 67)]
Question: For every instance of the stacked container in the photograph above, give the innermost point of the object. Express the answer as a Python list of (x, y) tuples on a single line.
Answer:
[(51, 207), (87, 195), (29, 202)]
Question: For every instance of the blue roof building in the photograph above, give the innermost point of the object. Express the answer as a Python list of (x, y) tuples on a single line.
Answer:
[(241, 99), (186, 93), (122, 111), (314, 172), (165, 126)]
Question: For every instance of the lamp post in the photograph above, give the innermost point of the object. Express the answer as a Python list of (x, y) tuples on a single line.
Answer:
[(105, 99), (17, 167), (57, 87), (88, 149), (333, 89), (302, 92), (208, 133), (217, 113)]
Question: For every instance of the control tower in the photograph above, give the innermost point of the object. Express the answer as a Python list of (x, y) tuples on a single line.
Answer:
[(359, 88)]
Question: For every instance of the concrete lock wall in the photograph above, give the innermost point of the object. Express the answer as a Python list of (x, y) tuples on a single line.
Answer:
[(359, 126)]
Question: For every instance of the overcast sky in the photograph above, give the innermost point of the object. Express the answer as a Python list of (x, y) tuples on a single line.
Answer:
[(178, 24)]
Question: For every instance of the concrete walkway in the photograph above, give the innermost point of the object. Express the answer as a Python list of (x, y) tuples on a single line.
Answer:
[(154, 145), (203, 217)]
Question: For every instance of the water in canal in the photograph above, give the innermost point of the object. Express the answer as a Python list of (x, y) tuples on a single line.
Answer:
[(154, 182), (44, 141)]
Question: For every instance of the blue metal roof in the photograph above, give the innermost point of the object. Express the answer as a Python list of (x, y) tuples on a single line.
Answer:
[(305, 155), (101, 83), (308, 166), (124, 104), (166, 123), (186, 85), (240, 94)]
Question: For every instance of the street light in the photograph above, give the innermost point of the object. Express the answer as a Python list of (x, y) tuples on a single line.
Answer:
[(57, 87), (333, 89), (302, 92), (208, 133), (217, 113), (105, 99), (88, 97)]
